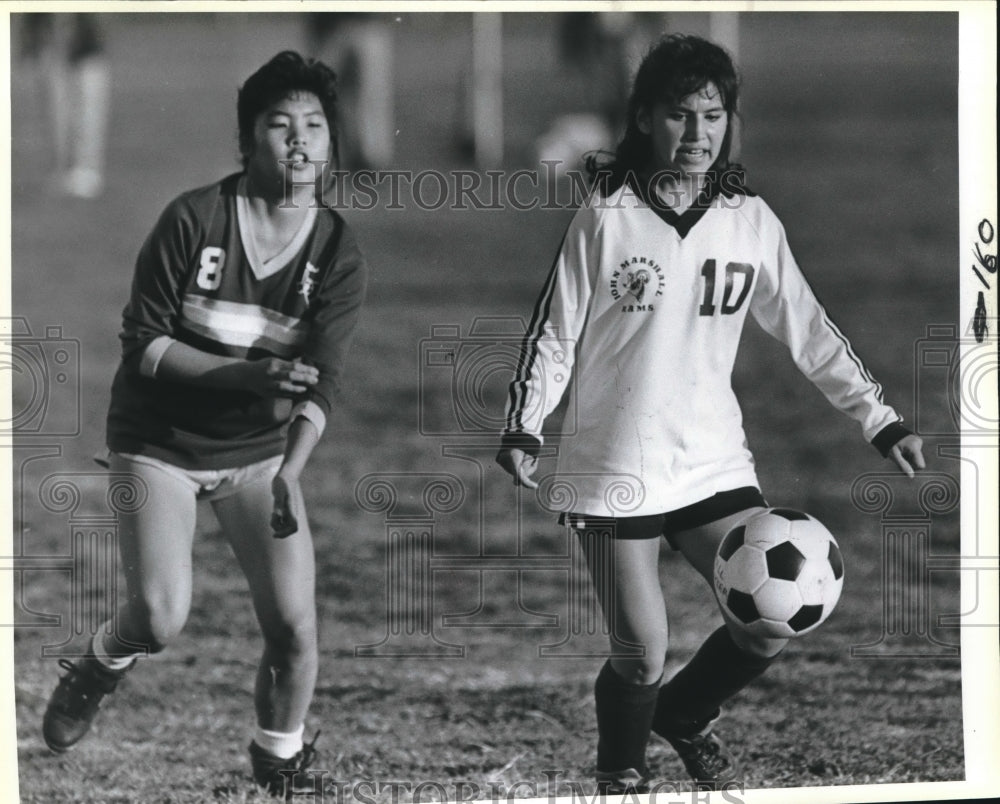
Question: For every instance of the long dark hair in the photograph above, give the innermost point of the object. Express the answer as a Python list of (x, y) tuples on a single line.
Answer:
[(286, 73), (675, 67)]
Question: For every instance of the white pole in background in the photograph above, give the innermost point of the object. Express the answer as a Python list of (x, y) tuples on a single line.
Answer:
[(487, 88)]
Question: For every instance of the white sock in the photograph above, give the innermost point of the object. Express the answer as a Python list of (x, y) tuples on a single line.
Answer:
[(282, 744), (101, 653)]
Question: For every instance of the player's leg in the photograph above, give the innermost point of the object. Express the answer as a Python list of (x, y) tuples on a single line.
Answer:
[(281, 575), (727, 661), (154, 542), (626, 581)]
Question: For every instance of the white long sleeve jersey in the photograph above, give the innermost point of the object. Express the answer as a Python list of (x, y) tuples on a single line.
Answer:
[(641, 318)]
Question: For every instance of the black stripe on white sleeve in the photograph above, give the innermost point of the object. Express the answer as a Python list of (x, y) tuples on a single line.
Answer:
[(529, 349)]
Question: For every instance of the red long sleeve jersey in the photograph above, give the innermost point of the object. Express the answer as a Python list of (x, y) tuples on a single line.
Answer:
[(641, 319), (198, 281)]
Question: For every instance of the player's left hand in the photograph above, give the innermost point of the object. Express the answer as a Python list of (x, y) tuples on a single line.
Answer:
[(283, 521), (908, 453)]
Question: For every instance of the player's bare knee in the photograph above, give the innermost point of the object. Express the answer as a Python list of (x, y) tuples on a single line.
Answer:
[(292, 637), (164, 628), (640, 669), (158, 621)]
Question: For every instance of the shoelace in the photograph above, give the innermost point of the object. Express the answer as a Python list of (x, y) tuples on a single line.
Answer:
[(77, 676), (308, 753), (105, 681), (79, 693), (300, 762), (66, 664), (709, 753), (268, 768)]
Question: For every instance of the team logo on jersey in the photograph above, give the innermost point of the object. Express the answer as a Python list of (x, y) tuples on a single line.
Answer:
[(307, 283), (636, 282)]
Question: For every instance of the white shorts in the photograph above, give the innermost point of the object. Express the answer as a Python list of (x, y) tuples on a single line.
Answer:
[(206, 484)]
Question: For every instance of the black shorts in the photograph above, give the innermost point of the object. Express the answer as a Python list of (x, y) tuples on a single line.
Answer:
[(667, 524)]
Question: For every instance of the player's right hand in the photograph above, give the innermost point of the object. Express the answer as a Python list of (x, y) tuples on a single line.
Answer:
[(270, 376), (520, 465), (283, 521)]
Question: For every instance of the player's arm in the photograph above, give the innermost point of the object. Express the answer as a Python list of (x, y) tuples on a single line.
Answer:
[(267, 376), (150, 318), (338, 308), (785, 306), (336, 311), (303, 436), (548, 349)]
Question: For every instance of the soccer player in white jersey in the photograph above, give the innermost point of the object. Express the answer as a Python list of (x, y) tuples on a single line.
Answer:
[(243, 303), (652, 285)]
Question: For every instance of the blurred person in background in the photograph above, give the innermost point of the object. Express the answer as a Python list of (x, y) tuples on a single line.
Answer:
[(244, 300), (599, 52), (69, 52), (359, 46), (653, 283)]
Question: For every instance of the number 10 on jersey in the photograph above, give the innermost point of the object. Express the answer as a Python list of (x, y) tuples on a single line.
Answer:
[(728, 306)]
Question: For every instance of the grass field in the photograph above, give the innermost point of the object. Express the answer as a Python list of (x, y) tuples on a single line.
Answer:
[(851, 136)]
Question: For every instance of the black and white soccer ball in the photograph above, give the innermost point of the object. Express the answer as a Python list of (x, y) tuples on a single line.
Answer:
[(779, 574)]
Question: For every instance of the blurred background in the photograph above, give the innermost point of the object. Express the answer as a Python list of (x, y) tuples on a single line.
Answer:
[(850, 132)]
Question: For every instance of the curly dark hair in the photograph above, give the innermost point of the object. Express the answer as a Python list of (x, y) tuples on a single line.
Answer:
[(285, 74), (676, 66)]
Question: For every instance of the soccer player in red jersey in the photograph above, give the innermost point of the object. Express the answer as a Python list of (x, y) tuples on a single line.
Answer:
[(652, 286), (244, 299)]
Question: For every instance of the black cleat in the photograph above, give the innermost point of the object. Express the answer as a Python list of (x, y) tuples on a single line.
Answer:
[(76, 699), (707, 759), (277, 775), (621, 783)]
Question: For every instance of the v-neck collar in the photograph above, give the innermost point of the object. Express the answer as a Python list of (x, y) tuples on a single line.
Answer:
[(684, 222), (262, 269)]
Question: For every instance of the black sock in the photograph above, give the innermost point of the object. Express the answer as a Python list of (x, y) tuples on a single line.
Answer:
[(624, 717), (717, 671)]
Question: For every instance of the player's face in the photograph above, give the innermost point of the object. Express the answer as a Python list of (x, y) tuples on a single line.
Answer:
[(686, 136), (290, 137)]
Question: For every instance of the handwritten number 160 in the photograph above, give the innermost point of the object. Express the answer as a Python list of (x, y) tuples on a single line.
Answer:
[(986, 261), (989, 263)]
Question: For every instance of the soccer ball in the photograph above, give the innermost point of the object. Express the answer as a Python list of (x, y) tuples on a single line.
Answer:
[(779, 574)]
